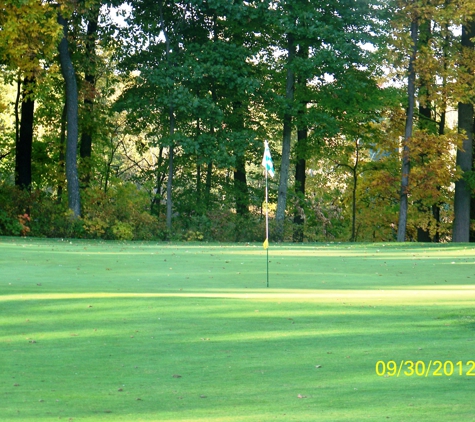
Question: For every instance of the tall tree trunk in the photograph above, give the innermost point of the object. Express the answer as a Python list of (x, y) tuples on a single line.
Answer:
[(17, 110), (62, 144), (198, 188), (171, 152), (69, 75), (300, 179), (160, 177), (354, 173), (426, 121), (240, 187), (171, 114), (241, 192), (287, 135), (353, 205), (461, 225), (209, 177), (406, 165), (90, 92), (199, 204), (24, 142), (301, 153), (437, 206)]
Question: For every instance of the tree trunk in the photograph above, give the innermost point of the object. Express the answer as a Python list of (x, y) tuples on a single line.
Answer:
[(17, 111), (301, 153), (426, 121), (300, 179), (240, 187), (354, 172), (287, 135), (160, 177), (353, 208), (199, 204), (62, 143), (198, 187), (69, 76), (209, 176), (90, 91), (171, 114), (461, 225), (406, 165), (24, 142), (437, 206), (241, 192), (171, 152)]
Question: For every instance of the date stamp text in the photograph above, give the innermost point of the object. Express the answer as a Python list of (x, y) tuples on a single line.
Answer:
[(433, 368)]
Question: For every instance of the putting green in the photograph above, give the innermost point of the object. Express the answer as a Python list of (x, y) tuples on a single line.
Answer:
[(93, 331)]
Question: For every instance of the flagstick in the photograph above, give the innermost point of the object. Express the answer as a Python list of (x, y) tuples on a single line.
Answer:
[(267, 231), (267, 251), (269, 166)]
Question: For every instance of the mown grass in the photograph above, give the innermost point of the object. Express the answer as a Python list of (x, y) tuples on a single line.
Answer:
[(94, 331)]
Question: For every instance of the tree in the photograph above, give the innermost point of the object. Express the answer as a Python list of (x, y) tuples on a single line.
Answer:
[(461, 225), (301, 147), (406, 165), (29, 37), (287, 135), (71, 93), (90, 81), (426, 118), (209, 79), (356, 104), (24, 139), (329, 40)]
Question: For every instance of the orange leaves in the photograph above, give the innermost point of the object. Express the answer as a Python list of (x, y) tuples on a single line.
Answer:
[(24, 220), (432, 165)]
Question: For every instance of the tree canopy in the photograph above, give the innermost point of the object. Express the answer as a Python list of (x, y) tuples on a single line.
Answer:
[(146, 119)]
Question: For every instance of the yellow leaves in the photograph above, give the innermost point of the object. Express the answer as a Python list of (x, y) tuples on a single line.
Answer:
[(3, 103), (462, 88), (30, 34), (433, 166), (446, 69)]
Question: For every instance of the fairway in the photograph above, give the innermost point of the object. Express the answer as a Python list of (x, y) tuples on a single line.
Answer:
[(110, 331)]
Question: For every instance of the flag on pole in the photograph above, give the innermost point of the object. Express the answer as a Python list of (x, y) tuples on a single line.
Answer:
[(267, 160), (269, 166)]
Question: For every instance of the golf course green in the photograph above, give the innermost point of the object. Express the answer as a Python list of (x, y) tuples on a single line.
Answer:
[(114, 331)]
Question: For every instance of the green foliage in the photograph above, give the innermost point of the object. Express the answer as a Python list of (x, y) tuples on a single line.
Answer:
[(122, 231), (36, 214), (227, 89), (469, 177), (40, 215), (12, 211), (122, 213), (9, 226), (222, 225)]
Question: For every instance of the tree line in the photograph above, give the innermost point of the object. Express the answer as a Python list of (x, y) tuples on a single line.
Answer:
[(146, 119)]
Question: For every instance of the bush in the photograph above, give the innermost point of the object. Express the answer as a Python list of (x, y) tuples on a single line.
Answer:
[(14, 211), (219, 225), (121, 214)]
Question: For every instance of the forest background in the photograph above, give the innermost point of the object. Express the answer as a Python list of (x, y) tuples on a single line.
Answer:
[(145, 119)]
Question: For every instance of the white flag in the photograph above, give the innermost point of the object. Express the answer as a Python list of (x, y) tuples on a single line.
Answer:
[(267, 160)]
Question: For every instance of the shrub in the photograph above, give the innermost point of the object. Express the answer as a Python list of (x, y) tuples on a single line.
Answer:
[(122, 214)]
